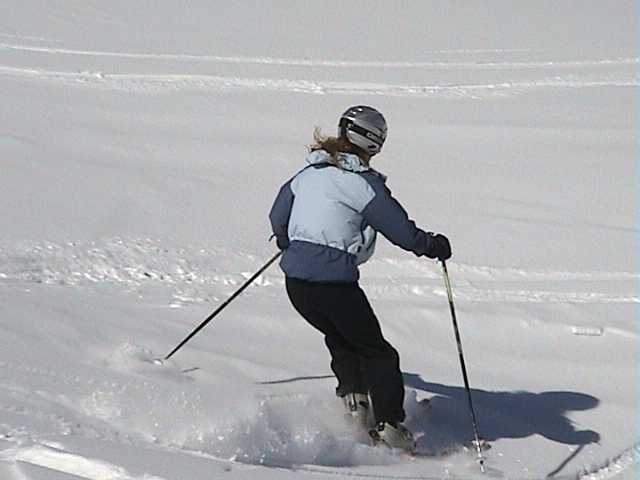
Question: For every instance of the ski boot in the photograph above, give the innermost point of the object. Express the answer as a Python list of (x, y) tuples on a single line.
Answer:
[(393, 436), (358, 408)]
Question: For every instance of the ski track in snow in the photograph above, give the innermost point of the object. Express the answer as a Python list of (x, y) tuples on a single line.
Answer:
[(265, 60), (162, 83), (69, 463), (195, 276), (592, 73), (626, 460)]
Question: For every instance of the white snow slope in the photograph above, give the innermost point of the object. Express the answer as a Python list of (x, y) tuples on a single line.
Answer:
[(141, 145)]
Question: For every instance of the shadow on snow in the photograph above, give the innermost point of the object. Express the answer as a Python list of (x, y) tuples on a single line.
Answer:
[(500, 414)]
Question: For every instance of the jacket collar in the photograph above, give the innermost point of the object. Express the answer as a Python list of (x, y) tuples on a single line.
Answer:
[(346, 161)]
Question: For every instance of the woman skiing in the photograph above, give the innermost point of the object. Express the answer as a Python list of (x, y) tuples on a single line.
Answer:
[(325, 220)]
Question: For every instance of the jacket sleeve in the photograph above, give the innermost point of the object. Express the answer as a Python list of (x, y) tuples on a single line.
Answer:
[(280, 213), (385, 214)]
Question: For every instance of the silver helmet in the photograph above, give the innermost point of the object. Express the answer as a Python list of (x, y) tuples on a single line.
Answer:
[(365, 127)]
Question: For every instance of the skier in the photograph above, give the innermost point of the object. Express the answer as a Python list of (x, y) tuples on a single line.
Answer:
[(325, 220)]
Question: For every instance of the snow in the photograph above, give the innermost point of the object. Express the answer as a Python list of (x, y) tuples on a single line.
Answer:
[(141, 145)]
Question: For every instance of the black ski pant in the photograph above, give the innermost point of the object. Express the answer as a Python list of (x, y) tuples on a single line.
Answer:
[(362, 360)]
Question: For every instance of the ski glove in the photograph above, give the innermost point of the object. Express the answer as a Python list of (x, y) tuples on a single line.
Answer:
[(441, 248), (282, 242)]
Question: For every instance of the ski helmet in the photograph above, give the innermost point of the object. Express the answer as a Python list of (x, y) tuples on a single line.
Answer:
[(365, 127)]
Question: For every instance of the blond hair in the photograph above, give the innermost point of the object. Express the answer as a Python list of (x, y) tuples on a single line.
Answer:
[(336, 145)]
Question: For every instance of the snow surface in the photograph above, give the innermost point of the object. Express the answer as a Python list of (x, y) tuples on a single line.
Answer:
[(141, 145)]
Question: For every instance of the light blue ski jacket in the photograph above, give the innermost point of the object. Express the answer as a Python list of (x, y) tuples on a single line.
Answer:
[(328, 215)]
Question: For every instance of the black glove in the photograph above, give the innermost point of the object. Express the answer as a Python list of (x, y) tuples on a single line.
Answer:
[(282, 242), (441, 248)]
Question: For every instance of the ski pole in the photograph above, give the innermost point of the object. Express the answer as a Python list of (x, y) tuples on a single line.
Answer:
[(447, 283), (221, 307)]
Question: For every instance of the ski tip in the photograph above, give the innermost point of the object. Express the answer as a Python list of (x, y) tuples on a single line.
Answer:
[(157, 361)]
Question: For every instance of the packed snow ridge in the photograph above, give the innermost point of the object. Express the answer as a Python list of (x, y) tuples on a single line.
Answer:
[(194, 275)]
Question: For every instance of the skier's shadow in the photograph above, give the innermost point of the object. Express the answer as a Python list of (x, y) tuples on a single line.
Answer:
[(500, 414)]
